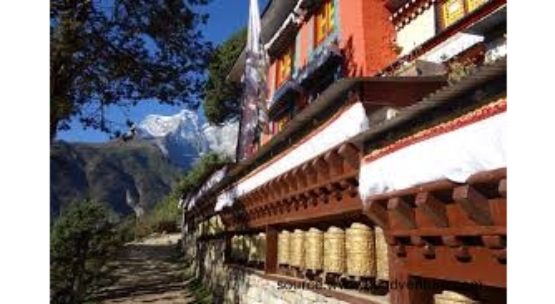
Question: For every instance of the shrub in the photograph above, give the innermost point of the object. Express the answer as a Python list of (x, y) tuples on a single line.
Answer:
[(82, 240)]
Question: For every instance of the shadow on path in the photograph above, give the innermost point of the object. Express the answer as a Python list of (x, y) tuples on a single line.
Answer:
[(147, 273)]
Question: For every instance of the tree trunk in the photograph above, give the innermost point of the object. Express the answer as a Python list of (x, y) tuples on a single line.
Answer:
[(53, 126)]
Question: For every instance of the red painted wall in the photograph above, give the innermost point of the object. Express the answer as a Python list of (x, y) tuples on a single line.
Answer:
[(304, 45), (352, 36), (378, 36), (366, 36)]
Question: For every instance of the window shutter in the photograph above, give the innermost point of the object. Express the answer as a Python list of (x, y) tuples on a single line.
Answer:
[(474, 4), (453, 10), (331, 15)]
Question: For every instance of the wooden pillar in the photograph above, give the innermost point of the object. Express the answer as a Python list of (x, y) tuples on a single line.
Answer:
[(271, 250), (402, 284), (227, 251)]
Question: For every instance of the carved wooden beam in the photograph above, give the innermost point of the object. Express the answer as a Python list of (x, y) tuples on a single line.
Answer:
[(283, 185), (433, 208), (300, 177), (402, 211), (494, 241), (247, 199), (344, 184), (275, 190), (267, 192), (400, 250), (261, 195), (255, 197), (377, 212), (291, 181), (336, 190), (350, 154), (474, 203), (417, 241), (255, 212), (310, 173), (429, 251), (503, 187), (290, 203), (335, 162), (255, 194), (460, 250), (501, 255), (352, 188), (324, 194), (462, 253), (322, 169)]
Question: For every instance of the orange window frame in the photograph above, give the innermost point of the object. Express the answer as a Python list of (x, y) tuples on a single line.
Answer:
[(282, 123), (324, 21), (284, 66), (474, 4)]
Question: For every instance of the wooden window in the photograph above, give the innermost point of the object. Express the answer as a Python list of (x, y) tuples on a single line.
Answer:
[(284, 66), (454, 10), (282, 123), (324, 21), (473, 4)]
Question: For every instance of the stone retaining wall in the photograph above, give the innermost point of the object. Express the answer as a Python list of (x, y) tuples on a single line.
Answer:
[(235, 285)]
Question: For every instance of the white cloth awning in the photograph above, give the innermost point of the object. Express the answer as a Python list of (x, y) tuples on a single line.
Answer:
[(225, 199), (455, 155), (348, 124), (214, 179), (339, 129)]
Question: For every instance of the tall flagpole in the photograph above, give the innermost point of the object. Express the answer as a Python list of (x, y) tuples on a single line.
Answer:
[(254, 117)]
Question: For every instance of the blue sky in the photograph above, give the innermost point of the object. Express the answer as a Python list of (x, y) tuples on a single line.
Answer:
[(226, 17)]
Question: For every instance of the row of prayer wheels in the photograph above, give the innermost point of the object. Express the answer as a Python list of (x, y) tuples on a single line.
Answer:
[(357, 251), (251, 248), (212, 226)]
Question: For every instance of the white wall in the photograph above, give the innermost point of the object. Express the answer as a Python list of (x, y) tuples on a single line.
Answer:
[(349, 124), (417, 31)]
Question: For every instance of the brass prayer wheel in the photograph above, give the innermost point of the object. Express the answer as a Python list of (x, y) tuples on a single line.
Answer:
[(334, 249), (284, 239), (314, 249), (252, 248), (237, 244), (262, 247), (382, 259), (451, 297), (296, 253), (360, 251)]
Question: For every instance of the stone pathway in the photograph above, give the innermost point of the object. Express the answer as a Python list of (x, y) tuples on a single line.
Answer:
[(148, 272)]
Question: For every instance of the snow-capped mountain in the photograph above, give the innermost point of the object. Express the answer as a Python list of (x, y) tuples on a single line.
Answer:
[(183, 137)]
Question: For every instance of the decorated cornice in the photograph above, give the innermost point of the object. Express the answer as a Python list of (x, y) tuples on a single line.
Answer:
[(409, 11)]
